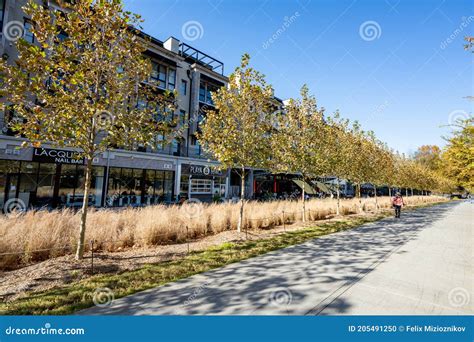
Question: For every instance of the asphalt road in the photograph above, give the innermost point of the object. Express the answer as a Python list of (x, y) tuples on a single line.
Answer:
[(421, 264)]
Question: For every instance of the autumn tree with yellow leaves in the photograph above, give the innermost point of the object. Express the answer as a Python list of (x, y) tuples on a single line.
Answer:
[(300, 142), (237, 132), (81, 85)]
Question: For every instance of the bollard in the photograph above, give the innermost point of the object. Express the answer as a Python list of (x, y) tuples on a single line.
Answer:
[(284, 224), (187, 237), (92, 256)]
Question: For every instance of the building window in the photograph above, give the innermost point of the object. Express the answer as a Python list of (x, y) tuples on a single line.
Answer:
[(2, 10), (28, 36), (205, 91), (160, 141), (182, 116), (184, 87), (171, 79), (163, 76), (137, 187)]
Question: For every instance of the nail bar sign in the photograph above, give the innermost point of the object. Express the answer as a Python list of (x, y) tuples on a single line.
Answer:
[(52, 155)]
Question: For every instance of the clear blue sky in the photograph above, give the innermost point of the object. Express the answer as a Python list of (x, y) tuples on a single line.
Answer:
[(400, 77)]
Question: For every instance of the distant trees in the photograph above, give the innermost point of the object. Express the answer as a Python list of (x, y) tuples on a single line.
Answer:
[(429, 156), (458, 156), (244, 130)]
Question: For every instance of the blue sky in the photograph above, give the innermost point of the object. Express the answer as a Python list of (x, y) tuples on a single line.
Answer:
[(396, 66)]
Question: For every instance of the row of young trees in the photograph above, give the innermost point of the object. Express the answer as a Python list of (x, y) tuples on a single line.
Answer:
[(83, 85), (247, 129)]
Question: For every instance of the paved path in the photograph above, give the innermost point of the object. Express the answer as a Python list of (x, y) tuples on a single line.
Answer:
[(419, 264)]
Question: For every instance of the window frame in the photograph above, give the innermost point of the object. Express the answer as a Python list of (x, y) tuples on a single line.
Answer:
[(184, 87), (161, 76), (205, 89), (26, 22), (2, 15)]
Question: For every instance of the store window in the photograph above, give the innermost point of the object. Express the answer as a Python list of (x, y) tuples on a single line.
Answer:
[(96, 186), (9, 171), (136, 187), (49, 185)]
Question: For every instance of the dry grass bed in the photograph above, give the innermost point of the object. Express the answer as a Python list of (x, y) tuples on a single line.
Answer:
[(41, 235), (123, 274)]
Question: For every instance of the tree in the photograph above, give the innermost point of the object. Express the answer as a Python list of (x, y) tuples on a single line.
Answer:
[(82, 85), (237, 131), (469, 44), (300, 142), (458, 156), (359, 154), (340, 146), (429, 156)]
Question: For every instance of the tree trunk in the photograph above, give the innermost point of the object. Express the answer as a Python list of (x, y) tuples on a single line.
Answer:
[(389, 191), (411, 192), (360, 198), (304, 202), (375, 195), (85, 205), (242, 198), (338, 199), (406, 192)]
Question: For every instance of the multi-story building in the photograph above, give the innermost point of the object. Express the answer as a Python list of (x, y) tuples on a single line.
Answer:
[(50, 177)]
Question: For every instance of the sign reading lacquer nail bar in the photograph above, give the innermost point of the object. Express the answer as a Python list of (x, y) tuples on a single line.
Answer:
[(52, 155)]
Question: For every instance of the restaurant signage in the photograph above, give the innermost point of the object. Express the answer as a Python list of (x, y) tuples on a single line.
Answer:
[(200, 170), (52, 155)]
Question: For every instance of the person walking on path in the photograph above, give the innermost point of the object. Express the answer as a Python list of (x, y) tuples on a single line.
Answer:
[(398, 203)]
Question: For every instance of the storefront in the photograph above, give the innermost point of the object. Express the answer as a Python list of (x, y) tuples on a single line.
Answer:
[(137, 187), (54, 178), (203, 182)]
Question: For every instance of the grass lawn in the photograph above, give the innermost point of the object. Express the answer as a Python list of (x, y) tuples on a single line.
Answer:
[(72, 297)]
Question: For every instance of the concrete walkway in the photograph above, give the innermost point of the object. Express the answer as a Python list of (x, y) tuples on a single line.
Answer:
[(421, 264)]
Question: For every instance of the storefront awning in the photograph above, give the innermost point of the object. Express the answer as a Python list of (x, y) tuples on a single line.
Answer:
[(307, 188), (323, 187)]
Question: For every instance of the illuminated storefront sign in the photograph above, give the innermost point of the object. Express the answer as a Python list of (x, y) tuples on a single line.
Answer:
[(52, 155)]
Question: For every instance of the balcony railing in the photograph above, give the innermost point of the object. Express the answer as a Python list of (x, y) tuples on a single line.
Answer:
[(201, 58)]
